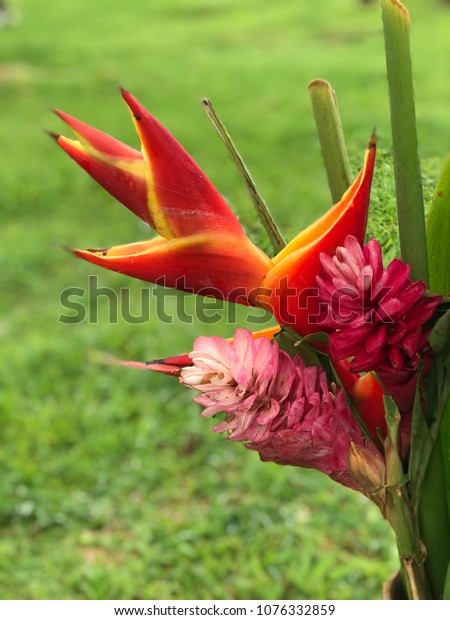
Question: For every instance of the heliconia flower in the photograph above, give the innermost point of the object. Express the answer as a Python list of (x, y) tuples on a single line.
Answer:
[(379, 314), (202, 247), (274, 404)]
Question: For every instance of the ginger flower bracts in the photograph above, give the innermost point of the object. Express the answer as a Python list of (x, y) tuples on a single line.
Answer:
[(378, 315), (274, 404)]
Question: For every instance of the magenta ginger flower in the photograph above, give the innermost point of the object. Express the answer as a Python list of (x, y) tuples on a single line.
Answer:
[(379, 314), (274, 404)]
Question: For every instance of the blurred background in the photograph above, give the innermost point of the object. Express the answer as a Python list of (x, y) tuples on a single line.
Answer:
[(111, 486)]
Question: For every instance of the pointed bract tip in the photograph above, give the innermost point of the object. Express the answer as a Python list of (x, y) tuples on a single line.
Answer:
[(67, 248), (131, 102), (373, 140), (66, 118), (172, 371), (52, 134), (84, 253), (102, 251), (127, 96), (158, 360)]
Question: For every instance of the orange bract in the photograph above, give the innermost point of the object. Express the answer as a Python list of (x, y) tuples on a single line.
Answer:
[(202, 247)]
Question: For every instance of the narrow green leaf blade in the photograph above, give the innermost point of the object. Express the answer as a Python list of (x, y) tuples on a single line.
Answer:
[(408, 178), (439, 378), (261, 207), (434, 506), (293, 344), (421, 448), (446, 596), (438, 393), (434, 523), (438, 235), (438, 241)]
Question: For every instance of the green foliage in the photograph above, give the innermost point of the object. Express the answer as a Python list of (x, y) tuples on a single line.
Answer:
[(331, 138), (438, 230), (111, 486), (408, 177), (438, 235), (382, 224)]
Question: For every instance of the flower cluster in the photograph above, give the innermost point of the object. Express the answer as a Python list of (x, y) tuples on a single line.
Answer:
[(274, 404), (272, 401), (378, 314)]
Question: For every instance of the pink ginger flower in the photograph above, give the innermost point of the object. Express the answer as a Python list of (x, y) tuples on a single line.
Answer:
[(274, 404), (379, 313)]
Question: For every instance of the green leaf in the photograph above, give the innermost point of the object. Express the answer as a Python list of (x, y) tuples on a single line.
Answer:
[(433, 505), (434, 523), (261, 207), (438, 235), (394, 467), (438, 392), (439, 378), (408, 179), (316, 337), (421, 448), (331, 138), (446, 596), (288, 340), (392, 414), (445, 445)]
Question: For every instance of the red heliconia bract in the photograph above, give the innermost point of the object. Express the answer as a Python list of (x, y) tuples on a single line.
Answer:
[(201, 246)]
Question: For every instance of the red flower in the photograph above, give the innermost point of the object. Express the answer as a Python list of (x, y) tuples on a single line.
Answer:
[(364, 392), (274, 404), (379, 314), (202, 247)]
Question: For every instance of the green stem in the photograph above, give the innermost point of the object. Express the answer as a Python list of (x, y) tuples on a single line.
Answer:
[(262, 209), (331, 137), (400, 514), (408, 179)]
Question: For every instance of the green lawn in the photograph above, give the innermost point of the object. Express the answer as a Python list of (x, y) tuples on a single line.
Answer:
[(111, 486)]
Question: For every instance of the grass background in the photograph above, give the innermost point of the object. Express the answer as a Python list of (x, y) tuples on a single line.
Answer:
[(110, 485)]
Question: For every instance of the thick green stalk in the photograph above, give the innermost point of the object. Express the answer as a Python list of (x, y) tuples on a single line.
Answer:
[(399, 512), (408, 178), (262, 209), (331, 137)]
